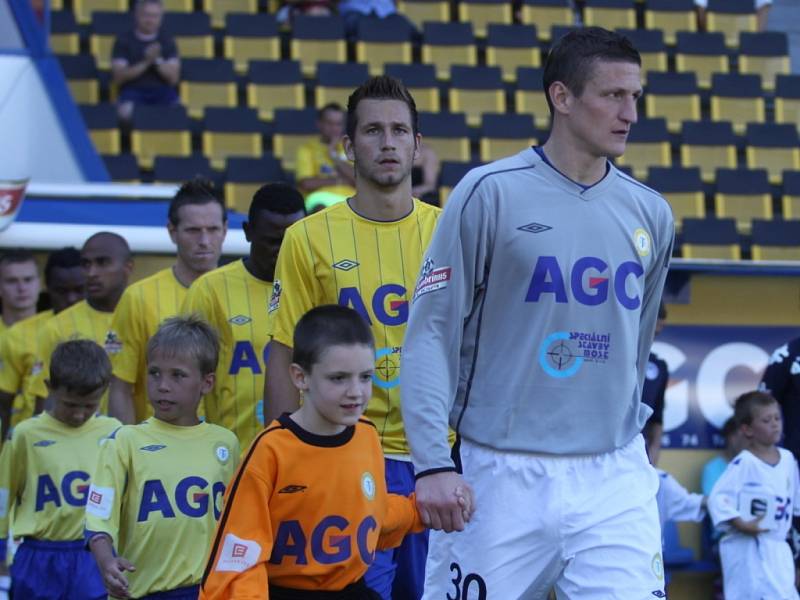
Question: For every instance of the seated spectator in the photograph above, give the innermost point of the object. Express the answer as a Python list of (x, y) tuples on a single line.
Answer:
[(145, 61), (314, 8), (425, 175), (323, 173), (761, 8), (353, 10)]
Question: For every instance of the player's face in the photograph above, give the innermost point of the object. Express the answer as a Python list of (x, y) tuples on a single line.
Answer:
[(175, 386), (767, 426), (67, 286), (265, 235), (106, 267), (19, 285), (148, 17), (337, 389), (73, 409), (384, 145), (601, 117), (331, 125), (199, 235)]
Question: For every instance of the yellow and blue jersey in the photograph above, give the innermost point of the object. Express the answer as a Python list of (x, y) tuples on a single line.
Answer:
[(157, 492)]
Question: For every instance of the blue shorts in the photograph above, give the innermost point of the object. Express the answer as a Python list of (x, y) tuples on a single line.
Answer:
[(190, 592), (399, 573), (48, 570), (154, 95)]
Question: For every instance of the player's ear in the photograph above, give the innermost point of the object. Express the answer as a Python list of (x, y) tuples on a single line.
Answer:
[(348, 148), (299, 377), (209, 379), (560, 96)]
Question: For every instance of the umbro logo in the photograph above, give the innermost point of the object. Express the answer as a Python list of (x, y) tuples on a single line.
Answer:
[(44, 443), (345, 265), (292, 489), (534, 228), (239, 320), (152, 447)]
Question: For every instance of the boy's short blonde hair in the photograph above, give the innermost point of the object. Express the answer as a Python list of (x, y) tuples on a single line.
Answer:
[(80, 367), (187, 335)]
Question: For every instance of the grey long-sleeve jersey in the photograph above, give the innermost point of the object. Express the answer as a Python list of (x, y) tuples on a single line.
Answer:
[(534, 313)]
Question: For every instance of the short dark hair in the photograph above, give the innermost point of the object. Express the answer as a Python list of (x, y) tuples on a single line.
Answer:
[(380, 87), (571, 58), (79, 366), (730, 427), (187, 335), (746, 403), (280, 198), (65, 258), (195, 191), (329, 106), (325, 326), (16, 256), (116, 239)]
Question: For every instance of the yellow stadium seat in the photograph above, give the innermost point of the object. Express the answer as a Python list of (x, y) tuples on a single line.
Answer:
[(648, 146), (476, 90), (708, 145), (480, 13), (743, 195), (701, 53), (448, 44), (671, 16), (683, 189), (220, 9), (420, 80), (610, 14), (420, 11), (738, 99), (250, 37), (382, 41), (710, 239), (546, 13), (530, 96), (447, 134), (316, 39), (274, 84), (787, 100), (774, 147), (512, 46), (231, 132), (207, 82), (776, 240), (673, 96), (160, 131), (731, 17), (765, 54)]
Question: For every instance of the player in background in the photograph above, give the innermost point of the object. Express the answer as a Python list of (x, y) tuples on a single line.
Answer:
[(66, 285), (330, 459), (107, 262), (197, 223), (19, 287), (44, 475), (158, 486), (754, 501), (364, 253), (234, 299), (529, 334), (656, 378), (781, 379)]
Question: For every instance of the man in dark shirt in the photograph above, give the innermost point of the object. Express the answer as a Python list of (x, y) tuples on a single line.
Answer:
[(656, 376), (782, 379), (145, 61)]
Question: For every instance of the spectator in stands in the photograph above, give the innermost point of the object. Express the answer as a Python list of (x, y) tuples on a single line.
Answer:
[(425, 175), (324, 175), (353, 10), (656, 377), (145, 61), (313, 8), (761, 8)]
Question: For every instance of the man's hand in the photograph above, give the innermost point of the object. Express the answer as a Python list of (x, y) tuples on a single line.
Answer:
[(113, 572), (749, 527), (152, 52), (444, 500)]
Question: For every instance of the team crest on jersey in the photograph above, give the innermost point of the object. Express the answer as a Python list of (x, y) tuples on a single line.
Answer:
[(431, 279), (113, 344), (368, 486), (657, 564), (641, 239), (345, 265), (240, 320), (223, 453), (275, 299)]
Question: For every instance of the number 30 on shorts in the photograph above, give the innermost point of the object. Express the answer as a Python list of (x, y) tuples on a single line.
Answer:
[(465, 584)]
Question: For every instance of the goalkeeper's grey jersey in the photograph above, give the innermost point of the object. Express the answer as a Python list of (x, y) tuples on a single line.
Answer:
[(534, 313)]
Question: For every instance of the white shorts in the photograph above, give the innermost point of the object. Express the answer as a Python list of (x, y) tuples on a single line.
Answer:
[(756, 568), (586, 525)]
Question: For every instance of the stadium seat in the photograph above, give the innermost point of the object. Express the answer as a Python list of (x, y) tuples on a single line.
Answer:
[(476, 90), (610, 14), (738, 99), (160, 130), (790, 199), (101, 121), (448, 135), (293, 127), (122, 168), (231, 132), (274, 84), (106, 26), (317, 39), (207, 82), (420, 11), (651, 47), (185, 6), (671, 16), (529, 96), (421, 82), (83, 9), (766, 54), (731, 17), (774, 147), (170, 169), (250, 37), (710, 238), (503, 135), (64, 33), (703, 53), (708, 145), (451, 173), (546, 13), (673, 96), (336, 81), (81, 73), (787, 100), (743, 195), (776, 240), (220, 9), (243, 177), (192, 33), (483, 12), (648, 146), (512, 46), (683, 189), (448, 44), (381, 41)]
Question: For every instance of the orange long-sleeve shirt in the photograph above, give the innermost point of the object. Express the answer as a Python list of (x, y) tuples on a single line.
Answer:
[(306, 512)]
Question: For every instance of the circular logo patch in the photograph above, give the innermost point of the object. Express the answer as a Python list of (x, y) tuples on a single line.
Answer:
[(641, 240), (368, 486), (658, 565), (223, 454)]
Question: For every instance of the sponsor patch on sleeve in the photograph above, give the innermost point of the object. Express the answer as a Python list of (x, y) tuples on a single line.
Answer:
[(100, 501), (238, 554), (433, 280), (275, 299)]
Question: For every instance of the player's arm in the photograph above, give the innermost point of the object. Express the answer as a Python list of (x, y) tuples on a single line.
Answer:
[(6, 403), (111, 567), (120, 401), (10, 381), (126, 327), (13, 460), (44, 347), (280, 395)]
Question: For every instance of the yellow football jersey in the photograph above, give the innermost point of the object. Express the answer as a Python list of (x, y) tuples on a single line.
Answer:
[(44, 476), (235, 303), (157, 492), (142, 308), (18, 356), (79, 321), (338, 257)]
